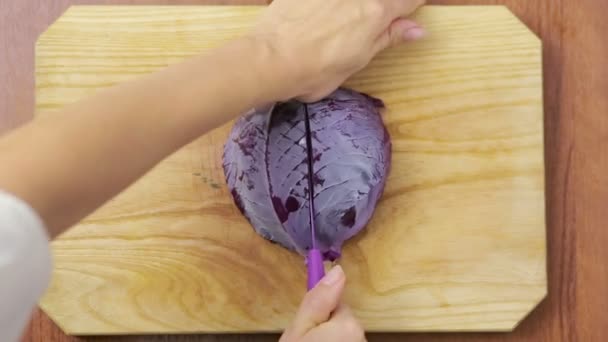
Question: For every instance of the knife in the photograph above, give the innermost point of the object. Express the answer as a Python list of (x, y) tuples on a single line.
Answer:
[(314, 260)]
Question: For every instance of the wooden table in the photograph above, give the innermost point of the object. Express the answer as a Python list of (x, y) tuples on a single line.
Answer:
[(574, 33)]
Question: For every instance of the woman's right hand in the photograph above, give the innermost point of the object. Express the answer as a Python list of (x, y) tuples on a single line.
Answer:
[(317, 44), (322, 316)]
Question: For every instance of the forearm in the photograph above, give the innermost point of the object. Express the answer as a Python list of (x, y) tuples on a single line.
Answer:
[(69, 163)]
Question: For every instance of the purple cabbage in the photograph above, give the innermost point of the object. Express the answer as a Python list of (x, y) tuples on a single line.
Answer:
[(265, 164)]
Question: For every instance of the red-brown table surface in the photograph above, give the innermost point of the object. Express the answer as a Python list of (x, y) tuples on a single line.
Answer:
[(575, 36)]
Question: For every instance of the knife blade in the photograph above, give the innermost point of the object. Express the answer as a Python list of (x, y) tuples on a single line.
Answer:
[(314, 260)]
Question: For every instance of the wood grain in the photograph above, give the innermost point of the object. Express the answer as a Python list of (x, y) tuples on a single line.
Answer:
[(457, 242), (565, 27)]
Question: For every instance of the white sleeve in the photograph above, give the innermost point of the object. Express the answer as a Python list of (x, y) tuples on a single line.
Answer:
[(25, 264)]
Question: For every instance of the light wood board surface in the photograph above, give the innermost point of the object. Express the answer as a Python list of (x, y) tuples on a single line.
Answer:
[(457, 243)]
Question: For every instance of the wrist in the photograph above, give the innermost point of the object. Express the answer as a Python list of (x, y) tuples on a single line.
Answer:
[(276, 80)]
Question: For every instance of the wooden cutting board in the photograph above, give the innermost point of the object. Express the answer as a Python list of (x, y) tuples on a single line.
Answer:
[(457, 242)]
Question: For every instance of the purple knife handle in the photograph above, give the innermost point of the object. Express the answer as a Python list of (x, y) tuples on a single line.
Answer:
[(316, 270)]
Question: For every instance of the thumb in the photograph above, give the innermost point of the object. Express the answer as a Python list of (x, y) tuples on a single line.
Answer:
[(401, 30), (320, 302)]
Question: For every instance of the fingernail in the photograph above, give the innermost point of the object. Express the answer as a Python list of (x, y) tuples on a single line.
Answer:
[(414, 33), (333, 276)]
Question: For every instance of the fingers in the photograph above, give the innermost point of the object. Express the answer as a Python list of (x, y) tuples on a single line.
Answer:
[(319, 303), (400, 31), (343, 326), (322, 317)]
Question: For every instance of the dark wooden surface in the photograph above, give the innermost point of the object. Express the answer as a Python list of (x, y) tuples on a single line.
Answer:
[(575, 36)]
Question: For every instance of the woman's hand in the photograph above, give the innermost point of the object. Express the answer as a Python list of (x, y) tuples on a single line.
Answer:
[(318, 44), (322, 316)]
